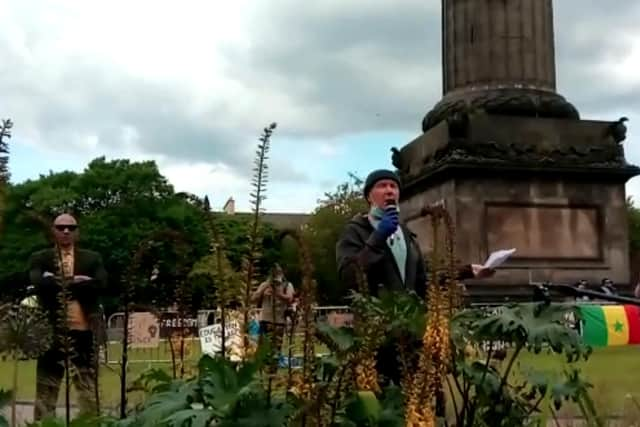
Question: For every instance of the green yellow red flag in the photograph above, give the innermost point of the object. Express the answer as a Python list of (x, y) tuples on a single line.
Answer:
[(609, 325)]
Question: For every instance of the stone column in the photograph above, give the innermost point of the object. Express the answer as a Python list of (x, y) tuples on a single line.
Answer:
[(498, 44), (498, 56)]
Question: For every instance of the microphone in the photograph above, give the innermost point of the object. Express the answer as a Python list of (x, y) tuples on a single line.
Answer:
[(390, 206)]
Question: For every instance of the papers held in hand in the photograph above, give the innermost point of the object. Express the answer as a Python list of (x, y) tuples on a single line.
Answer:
[(498, 258)]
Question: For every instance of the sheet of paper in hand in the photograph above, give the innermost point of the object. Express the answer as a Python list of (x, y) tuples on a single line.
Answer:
[(498, 258)]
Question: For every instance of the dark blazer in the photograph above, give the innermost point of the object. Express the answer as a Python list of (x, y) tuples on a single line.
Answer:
[(359, 244), (86, 263)]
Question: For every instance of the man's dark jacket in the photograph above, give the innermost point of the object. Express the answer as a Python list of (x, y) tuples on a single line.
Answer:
[(87, 293), (359, 244)]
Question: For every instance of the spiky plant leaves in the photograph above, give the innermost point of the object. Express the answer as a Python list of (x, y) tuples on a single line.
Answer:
[(24, 331)]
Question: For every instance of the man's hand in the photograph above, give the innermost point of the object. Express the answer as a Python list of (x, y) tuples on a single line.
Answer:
[(47, 274), (389, 223), (268, 291), (479, 272)]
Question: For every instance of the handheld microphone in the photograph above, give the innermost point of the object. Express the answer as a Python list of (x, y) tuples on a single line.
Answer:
[(390, 206)]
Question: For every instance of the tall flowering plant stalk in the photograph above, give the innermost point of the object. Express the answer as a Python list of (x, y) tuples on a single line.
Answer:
[(257, 195), (425, 388)]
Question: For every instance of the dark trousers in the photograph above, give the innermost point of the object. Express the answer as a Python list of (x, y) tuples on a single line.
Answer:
[(83, 370), (388, 363)]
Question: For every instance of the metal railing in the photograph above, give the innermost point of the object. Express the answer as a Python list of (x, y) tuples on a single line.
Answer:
[(112, 352)]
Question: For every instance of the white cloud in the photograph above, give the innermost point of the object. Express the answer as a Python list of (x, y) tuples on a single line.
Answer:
[(191, 84)]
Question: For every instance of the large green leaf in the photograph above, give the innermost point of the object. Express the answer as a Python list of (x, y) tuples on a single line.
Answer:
[(223, 387), (161, 405), (364, 409), (535, 326), (190, 418), (392, 402), (253, 411)]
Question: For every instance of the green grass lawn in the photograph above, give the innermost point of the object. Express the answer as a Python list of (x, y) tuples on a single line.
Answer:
[(139, 361), (614, 372)]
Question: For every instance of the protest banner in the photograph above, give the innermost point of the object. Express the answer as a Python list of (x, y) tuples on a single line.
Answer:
[(143, 330)]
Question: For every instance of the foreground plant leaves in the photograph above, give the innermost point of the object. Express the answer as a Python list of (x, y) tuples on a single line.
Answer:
[(364, 409), (222, 393), (535, 326), (5, 399), (491, 394)]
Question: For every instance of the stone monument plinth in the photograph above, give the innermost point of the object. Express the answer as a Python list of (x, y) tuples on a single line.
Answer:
[(512, 161)]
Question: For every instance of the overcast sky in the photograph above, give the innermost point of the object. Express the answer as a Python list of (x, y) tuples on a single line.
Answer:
[(191, 86)]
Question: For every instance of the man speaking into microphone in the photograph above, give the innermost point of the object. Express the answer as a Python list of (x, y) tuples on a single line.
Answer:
[(387, 251)]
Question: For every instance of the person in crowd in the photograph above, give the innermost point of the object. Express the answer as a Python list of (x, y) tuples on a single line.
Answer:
[(583, 285), (607, 287), (274, 296), (85, 276)]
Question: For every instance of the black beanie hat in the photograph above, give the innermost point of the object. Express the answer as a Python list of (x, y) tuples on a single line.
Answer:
[(376, 176)]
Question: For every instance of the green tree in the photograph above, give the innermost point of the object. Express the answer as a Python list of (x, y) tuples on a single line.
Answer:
[(633, 213), (234, 229), (323, 231), (118, 204)]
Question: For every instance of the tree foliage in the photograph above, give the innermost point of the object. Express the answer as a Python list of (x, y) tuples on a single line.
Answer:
[(324, 230), (633, 214), (118, 204)]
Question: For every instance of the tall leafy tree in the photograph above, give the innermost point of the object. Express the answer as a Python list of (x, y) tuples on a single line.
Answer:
[(118, 203), (323, 231)]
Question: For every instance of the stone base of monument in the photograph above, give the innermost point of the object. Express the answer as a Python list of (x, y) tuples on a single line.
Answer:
[(554, 189)]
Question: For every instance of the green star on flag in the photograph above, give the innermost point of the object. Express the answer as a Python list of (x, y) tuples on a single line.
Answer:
[(618, 326)]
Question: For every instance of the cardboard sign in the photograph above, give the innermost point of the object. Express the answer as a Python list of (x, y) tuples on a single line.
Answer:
[(211, 339), (144, 330)]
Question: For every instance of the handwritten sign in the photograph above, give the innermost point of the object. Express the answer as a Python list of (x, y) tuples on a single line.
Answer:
[(211, 339), (144, 330)]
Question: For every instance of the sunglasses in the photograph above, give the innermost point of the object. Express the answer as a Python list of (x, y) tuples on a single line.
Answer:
[(62, 227)]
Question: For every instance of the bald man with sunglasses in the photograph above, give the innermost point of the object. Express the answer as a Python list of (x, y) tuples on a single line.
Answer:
[(84, 273)]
